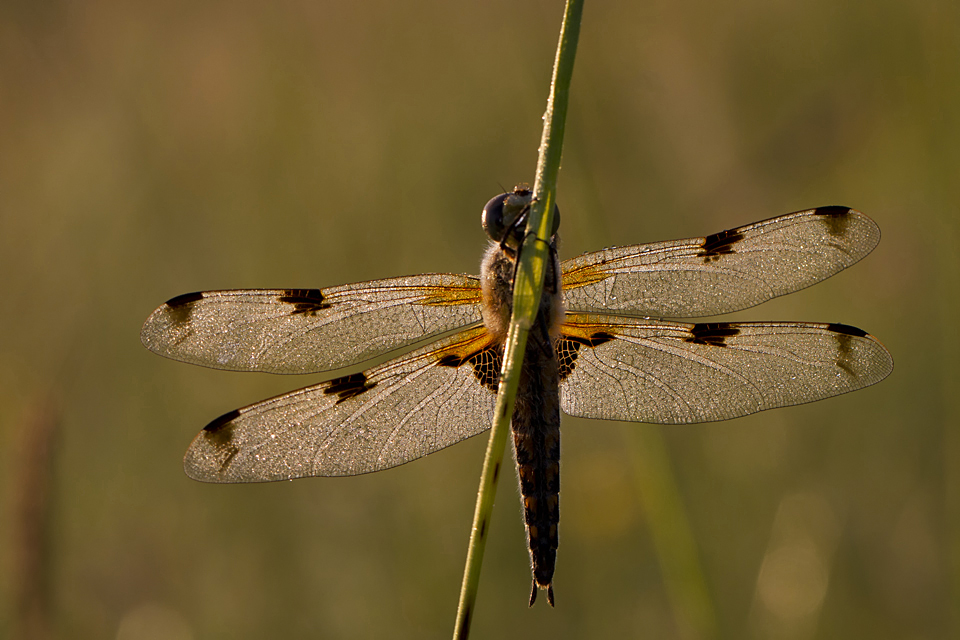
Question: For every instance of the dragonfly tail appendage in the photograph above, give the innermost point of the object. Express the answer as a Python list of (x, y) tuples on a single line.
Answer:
[(536, 587)]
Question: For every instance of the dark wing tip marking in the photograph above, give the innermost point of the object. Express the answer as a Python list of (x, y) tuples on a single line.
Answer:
[(832, 210), (712, 334), (184, 299), (847, 330), (181, 306), (844, 335), (836, 217), (568, 348), (219, 435), (222, 423), (719, 244), (348, 386), (306, 301)]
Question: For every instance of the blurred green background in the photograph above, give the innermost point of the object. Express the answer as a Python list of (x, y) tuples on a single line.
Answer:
[(156, 148)]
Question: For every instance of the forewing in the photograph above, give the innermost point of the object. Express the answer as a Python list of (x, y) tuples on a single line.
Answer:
[(724, 272), (652, 371), (309, 330), (386, 416)]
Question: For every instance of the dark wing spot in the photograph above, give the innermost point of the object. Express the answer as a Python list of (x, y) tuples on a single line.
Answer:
[(719, 244), (222, 426), (844, 335), (182, 306), (219, 435), (185, 299), (568, 348), (305, 301), (836, 218), (595, 340), (832, 210), (847, 330), (713, 334), (451, 360), (486, 364), (348, 386)]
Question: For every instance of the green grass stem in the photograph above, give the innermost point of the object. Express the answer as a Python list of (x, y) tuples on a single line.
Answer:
[(526, 300)]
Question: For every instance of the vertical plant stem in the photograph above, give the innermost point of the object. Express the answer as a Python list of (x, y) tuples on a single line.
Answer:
[(526, 300)]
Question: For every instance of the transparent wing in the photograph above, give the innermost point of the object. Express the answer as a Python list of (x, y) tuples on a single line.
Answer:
[(724, 272), (386, 416), (651, 371), (309, 330)]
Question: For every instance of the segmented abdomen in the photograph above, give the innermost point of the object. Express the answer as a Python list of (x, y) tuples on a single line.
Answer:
[(536, 438)]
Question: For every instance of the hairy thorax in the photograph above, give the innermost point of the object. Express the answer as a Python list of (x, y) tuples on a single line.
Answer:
[(496, 281)]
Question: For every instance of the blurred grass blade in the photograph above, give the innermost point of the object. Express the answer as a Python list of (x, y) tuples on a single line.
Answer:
[(526, 299), (672, 535), (32, 522), (949, 274)]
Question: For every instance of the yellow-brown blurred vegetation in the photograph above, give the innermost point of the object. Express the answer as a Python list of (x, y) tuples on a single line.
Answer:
[(155, 148)]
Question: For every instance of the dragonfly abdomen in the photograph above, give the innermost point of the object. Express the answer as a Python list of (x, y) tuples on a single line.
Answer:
[(536, 438)]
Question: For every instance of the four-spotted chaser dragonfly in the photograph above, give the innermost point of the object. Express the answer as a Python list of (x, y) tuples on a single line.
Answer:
[(600, 348)]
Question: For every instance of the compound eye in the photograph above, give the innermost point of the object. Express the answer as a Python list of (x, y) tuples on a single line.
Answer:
[(493, 222), (504, 216)]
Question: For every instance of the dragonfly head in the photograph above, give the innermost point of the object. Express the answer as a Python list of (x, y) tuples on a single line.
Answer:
[(505, 217)]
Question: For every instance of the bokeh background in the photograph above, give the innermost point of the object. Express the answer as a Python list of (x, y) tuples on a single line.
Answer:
[(156, 148)]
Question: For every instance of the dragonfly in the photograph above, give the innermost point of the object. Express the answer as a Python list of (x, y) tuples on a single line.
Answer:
[(609, 342)]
